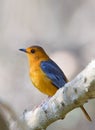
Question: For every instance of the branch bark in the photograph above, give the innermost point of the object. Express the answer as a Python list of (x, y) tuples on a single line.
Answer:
[(72, 95)]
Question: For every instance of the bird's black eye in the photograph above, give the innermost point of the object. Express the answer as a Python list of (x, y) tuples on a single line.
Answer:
[(33, 51)]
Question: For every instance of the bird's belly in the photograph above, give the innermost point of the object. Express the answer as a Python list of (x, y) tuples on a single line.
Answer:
[(43, 83)]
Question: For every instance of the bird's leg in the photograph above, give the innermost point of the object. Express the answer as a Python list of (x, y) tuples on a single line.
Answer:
[(45, 101)]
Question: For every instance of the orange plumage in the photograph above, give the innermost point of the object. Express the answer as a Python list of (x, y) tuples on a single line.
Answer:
[(37, 76), (45, 73)]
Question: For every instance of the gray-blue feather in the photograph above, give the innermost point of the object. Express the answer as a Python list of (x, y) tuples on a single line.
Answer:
[(54, 73)]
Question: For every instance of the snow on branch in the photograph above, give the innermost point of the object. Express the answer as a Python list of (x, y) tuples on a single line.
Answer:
[(72, 95)]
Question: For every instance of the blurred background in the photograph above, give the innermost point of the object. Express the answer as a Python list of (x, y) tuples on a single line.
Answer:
[(65, 29)]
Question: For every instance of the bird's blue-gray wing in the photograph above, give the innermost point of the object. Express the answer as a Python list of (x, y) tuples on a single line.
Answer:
[(54, 73)]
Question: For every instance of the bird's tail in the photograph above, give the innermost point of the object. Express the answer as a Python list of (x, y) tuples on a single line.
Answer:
[(85, 113)]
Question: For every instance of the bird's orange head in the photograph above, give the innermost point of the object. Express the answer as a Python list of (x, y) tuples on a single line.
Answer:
[(35, 54)]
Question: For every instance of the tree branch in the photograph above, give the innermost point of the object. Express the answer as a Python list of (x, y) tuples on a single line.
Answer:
[(72, 95)]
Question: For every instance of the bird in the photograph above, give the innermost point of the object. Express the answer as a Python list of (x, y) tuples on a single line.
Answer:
[(45, 74)]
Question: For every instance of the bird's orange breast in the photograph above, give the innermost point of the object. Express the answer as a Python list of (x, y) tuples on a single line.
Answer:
[(41, 81)]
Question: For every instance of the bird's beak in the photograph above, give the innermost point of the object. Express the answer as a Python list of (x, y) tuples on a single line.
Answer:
[(24, 50)]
